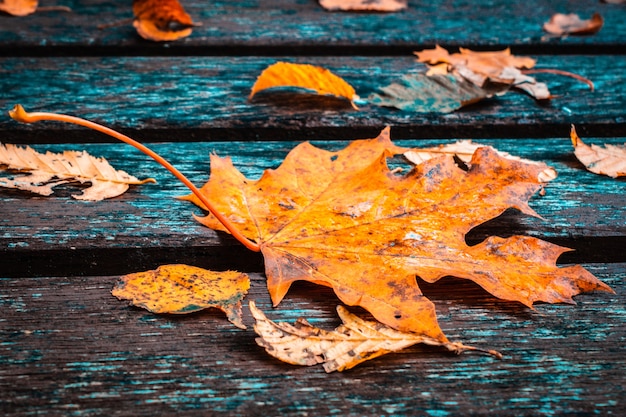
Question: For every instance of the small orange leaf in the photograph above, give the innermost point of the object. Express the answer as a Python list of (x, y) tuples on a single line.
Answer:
[(571, 24), (364, 5), (161, 20), (609, 160), (183, 289), (309, 77), (18, 7)]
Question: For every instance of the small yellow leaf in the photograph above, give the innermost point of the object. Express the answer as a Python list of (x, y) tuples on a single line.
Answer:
[(609, 160), (310, 77), (353, 342), (183, 289)]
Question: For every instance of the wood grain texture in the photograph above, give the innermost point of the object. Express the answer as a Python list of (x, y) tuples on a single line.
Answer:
[(70, 348), (205, 98), (293, 27), (147, 225)]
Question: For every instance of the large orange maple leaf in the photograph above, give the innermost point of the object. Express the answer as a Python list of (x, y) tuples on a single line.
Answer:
[(344, 220)]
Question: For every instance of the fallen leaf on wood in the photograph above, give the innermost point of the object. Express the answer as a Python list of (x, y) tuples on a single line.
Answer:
[(481, 68), (364, 5), (609, 160), (421, 93), (183, 289), (353, 342), (344, 220), (488, 64), (161, 20), (26, 7), (19, 7), (309, 77), (46, 171), (571, 24), (465, 149)]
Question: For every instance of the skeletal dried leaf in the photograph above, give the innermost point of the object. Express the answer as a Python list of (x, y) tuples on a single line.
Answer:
[(465, 149), (304, 76), (183, 289), (571, 24), (609, 160), (45, 171), (421, 93), (161, 20), (354, 342), (364, 5)]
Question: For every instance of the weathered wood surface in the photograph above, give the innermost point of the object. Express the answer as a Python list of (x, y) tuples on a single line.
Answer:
[(206, 98), (292, 27), (68, 347), (581, 210)]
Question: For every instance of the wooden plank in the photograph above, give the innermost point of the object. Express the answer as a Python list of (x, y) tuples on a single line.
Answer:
[(303, 27), (206, 98), (68, 347), (147, 226)]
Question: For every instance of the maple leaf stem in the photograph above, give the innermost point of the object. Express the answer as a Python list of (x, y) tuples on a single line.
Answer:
[(18, 113)]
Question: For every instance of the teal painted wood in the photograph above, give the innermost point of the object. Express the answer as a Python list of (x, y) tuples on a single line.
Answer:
[(147, 226), (303, 27), (206, 98), (68, 347)]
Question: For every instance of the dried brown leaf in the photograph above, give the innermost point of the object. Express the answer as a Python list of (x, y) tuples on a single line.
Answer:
[(571, 24), (609, 160)]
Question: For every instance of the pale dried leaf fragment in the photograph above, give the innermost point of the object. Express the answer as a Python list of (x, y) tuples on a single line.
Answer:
[(609, 160), (45, 171), (571, 24), (305, 76), (353, 342), (364, 5), (184, 289), (465, 149)]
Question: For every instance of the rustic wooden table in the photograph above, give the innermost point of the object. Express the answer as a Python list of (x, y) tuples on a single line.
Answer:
[(67, 347)]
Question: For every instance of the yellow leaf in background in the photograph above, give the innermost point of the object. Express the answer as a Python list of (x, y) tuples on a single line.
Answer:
[(45, 171), (309, 77), (183, 289), (353, 342), (464, 150), (18, 7), (609, 160), (364, 5)]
